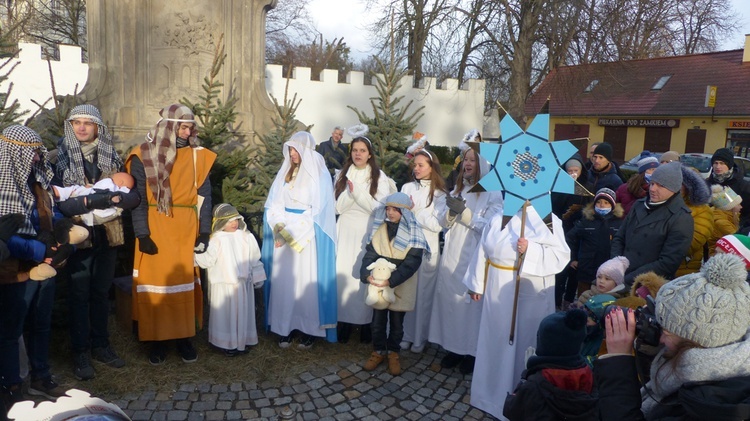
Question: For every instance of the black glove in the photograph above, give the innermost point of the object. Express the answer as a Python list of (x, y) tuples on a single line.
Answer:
[(61, 255), (201, 243), (147, 245), (101, 200), (9, 225), (455, 205)]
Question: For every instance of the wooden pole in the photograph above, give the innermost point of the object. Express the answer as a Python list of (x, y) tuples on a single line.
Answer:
[(519, 263)]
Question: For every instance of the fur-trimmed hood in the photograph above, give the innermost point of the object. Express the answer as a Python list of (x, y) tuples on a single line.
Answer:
[(696, 190), (650, 280), (589, 213)]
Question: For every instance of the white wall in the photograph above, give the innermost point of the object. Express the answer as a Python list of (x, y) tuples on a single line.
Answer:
[(449, 112), (31, 76)]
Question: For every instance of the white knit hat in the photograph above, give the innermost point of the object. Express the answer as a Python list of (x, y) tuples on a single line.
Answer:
[(709, 307), (614, 269)]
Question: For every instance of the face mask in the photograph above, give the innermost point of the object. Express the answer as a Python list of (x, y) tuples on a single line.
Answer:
[(647, 177), (602, 211)]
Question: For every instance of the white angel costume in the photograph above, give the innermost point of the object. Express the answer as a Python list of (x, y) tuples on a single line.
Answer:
[(417, 322), (498, 363), (454, 323), (232, 262), (301, 289), (352, 230)]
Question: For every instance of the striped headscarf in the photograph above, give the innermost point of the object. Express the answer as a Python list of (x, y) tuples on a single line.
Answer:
[(70, 157), (160, 150), (18, 147), (409, 232)]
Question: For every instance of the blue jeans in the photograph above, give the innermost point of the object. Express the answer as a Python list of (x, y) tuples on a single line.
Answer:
[(90, 273), (39, 299), (12, 314), (381, 319)]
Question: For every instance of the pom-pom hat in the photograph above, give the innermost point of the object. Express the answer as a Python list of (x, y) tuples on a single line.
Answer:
[(737, 244)]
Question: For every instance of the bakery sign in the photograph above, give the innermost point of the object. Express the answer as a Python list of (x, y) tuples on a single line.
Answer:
[(640, 122)]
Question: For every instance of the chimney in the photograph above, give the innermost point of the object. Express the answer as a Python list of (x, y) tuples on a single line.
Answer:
[(746, 54)]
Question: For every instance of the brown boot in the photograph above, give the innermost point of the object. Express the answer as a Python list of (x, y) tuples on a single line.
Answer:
[(394, 367), (374, 361)]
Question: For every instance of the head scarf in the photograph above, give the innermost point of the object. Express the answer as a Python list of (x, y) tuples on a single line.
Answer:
[(160, 150), (223, 214), (409, 232), (70, 157), (18, 145), (311, 175)]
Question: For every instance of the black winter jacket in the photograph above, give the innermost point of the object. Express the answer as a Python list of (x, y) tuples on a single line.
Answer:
[(590, 240)]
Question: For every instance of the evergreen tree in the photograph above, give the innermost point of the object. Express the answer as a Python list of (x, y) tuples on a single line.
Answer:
[(215, 131), (391, 123), (10, 113)]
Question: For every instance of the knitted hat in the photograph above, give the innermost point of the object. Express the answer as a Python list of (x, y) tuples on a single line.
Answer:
[(670, 156), (724, 198), (573, 163), (224, 213), (724, 155), (607, 194), (605, 150), (614, 269), (669, 176), (737, 244), (647, 163), (559, 339), (709, 307)]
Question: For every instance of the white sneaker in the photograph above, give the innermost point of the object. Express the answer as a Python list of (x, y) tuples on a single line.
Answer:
[(405, 345), (417, 349)]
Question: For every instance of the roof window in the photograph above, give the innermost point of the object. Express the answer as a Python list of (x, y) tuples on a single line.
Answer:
[(591, 85), (661, 82)]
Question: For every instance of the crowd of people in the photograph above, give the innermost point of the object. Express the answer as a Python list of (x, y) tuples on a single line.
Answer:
[(528, 303)]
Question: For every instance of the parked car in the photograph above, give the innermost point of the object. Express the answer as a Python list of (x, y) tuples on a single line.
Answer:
[(632, 164), (702, 162)]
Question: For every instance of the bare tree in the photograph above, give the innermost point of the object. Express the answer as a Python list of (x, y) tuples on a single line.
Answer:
[(14, 17), (58, 22), (289, 23), (698, 25), (317, 55)]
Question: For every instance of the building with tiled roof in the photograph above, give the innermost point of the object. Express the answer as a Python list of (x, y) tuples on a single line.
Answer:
[(691, 103)]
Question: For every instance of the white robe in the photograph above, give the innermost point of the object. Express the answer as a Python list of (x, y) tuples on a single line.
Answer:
[(293, 302), (417, 322), (499, 365), (232, 261), (454, 323), (352, 229)]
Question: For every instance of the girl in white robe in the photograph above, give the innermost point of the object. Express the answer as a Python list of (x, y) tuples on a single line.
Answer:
[(454, 323), (498, 363), (359, 189), (234, 271), (299, 247), (427, 192)]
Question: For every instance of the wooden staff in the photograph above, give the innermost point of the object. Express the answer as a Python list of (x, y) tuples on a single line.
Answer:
[(519, 260)]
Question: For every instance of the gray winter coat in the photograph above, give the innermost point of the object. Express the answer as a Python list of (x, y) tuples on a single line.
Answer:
[(655, 240)]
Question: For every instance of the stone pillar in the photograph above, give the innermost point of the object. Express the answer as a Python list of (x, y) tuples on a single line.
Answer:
[(146, 54)]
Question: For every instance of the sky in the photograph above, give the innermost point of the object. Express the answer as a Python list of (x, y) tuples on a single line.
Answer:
[(348, 19)]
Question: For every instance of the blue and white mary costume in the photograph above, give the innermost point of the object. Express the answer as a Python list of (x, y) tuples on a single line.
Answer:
[(301, 289)]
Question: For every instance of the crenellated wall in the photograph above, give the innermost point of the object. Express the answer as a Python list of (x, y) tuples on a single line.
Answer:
[(450, 111), (31, 76)]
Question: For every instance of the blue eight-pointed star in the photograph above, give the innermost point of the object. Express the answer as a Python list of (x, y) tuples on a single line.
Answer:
[(527, 166)]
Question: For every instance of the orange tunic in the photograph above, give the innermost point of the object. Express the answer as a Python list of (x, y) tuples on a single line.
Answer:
[(167, 294)]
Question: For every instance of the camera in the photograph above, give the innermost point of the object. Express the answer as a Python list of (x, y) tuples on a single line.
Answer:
[(647, 329)]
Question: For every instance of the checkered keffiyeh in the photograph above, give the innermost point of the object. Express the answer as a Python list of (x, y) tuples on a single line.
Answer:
[(409, 232), (18, 147), (160, 150), (70, 158)]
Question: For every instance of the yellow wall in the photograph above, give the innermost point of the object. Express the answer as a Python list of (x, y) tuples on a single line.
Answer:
[(716, 131)]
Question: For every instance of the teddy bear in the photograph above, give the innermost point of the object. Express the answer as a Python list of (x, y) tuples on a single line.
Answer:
[(380, 298), (60, 244)]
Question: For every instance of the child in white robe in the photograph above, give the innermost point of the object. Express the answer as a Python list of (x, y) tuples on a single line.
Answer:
[(234, 271)]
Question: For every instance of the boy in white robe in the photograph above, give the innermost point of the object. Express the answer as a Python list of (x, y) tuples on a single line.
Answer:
[(491, 277), (234, 271)]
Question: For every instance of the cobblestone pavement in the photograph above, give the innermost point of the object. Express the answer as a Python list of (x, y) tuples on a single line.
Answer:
[(339, 392)]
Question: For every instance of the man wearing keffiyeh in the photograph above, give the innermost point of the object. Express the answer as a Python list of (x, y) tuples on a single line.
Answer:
[(172, 223), (85, 156), (24, 182)]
